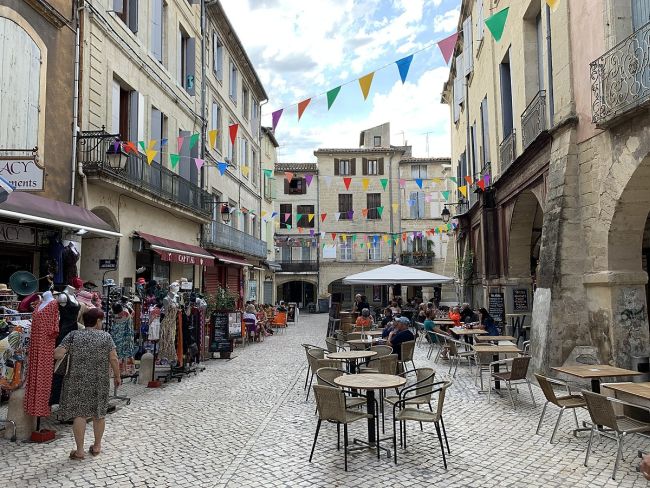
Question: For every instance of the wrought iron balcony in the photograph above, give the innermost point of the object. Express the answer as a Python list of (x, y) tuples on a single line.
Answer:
[(299, 266), (222, 236), (620, 78), (533, 120), (507, 151), (417, 259), (93, 150)]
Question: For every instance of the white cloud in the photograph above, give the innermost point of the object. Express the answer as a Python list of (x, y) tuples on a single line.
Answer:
[(447, 22)]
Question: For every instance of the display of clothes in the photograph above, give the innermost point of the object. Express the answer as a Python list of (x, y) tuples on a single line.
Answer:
[(55, 251), (44, 331), (70, 257), (122, 334), (69, 309), (167, 343), (191, 328), (154, 324)]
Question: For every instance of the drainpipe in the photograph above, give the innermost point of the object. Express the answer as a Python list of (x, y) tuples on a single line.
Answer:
[(390, 199), (204, 119), (75, 120)]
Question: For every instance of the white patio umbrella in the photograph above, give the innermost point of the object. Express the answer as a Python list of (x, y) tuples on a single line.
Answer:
[(395, 274)]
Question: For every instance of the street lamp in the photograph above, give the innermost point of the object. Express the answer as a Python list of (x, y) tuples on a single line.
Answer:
[(446, 215), (225, 212), (115, 157)]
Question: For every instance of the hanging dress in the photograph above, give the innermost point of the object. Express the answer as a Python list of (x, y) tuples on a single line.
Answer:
[(122, 334), (68, 316), (167, 344), (40, 368)]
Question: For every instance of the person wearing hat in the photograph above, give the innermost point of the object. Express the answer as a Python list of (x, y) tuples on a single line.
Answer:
[(400, 334)]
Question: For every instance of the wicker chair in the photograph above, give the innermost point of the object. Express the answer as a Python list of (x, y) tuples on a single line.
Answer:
[(408, 348), (516, 374), (307, 347), (331, 407), (381, 350), (403, 413), (331, 344), (316, 360), (326, 377), (382, 365), (602, 413), (568, 401), (373, 365), (457, 351)]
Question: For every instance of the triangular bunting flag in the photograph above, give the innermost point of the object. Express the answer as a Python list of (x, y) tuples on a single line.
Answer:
[(288, 176), (447, 46), (333, 236), (302, 106), (384, 182), (403, 66), (463, 190), (346, 182), (337, 216), (130, 147), (404, 236), (395, 206), (245, 170), (453, 178), (142, 145), (418, 181), (268, 173), (233, 132), (222, 167), (380, 210), (151, 154), (323, 216), (310, 217), (350, 214), (481, 184), (553, 4), (365, 182), (437, 180), (486, 178), (163, 142), (497, 22), (354, 238), (180, 143), (212, 138), (194, 139), (275, 118), (308, 179), (445, 194), (287, 216), (364, 83), (344, 237), (364, 212), (331, 96), (288, 227), (173, 160), (469, 180), (298, 217), (402, 183)]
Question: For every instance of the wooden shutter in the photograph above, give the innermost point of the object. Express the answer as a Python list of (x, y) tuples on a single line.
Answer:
[(133, 16), (336, 166), (133, 115), (413, 197), (420, 203), (468, 50), (353, 166), (364, 166), (118, 6), (303, 186), (381, 166), (190, 66), (156, 29), (286, 186)]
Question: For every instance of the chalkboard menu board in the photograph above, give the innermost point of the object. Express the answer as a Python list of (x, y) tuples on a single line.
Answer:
[(220, 341), (496, 306), (520, 300), (234, 325)]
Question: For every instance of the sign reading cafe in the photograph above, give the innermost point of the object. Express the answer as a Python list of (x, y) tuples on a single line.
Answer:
[(22, 172)]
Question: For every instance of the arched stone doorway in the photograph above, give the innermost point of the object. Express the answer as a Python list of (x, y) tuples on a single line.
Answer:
[(299, 291), (95, 248)]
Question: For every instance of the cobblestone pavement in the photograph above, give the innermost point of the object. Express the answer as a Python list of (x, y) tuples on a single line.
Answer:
[(245, 422)]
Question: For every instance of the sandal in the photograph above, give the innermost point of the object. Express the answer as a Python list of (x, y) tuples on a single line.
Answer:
[(76, 457), (92, 451)]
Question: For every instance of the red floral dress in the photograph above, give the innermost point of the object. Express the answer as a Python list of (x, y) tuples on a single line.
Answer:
[(40, 365)]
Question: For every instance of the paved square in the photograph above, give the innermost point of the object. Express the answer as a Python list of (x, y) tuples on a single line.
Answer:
[(245, 422)]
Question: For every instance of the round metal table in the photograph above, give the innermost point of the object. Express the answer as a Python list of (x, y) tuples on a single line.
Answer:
[(351, 357)]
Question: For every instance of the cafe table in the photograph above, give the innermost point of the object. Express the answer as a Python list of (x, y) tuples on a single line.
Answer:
[(374, 333), (351, 357), (463, 331), (370, 382), (496, 350), (365, 342), (496, 338), (595, 372)]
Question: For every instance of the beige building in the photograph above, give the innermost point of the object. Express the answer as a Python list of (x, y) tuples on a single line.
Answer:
[(551, 112), (269, 148), (297, 233)]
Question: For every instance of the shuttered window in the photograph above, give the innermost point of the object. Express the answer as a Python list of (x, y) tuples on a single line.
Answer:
[(416, 205), (232, 89), (157, 29), (217, 56), (285, 215), (345, 205), (187, 62), (373, 202), (468, 51)]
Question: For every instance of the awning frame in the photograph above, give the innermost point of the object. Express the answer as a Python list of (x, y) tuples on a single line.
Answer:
[(57, 223)]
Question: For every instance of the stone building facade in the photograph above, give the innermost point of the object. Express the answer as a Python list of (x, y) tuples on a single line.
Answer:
[(560, 232)]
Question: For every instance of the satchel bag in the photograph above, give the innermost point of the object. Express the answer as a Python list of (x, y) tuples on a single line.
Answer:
[(62, 366)]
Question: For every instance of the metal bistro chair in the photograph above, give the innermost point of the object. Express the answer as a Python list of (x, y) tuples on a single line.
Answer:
[(251, 330), (326, 377), (402, 412), (516, 375), (307, 347), (331, 407), (457, 351), (568, 401), (332, 346), (316, 360), (602, 412), (424, 378), (408, 349), (419, 332), (382, 365)]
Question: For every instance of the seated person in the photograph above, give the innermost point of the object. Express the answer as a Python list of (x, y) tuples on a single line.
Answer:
[(454, 315), (389, 328), (467, 315), (281, 307), (388, 317), (249, 314), (400, 334), (364, 321), (422, 313), (487, 322), (363, 304), (395, 308), (429, 324)]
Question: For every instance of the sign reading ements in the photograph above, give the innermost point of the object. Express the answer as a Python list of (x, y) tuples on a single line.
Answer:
[(520, 300), (496, 306), (22, 172)]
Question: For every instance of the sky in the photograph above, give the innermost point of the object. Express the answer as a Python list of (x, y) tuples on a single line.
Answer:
[(303, 48)]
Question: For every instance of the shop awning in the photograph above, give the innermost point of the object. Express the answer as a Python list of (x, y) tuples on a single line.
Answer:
[(231, 259), (177, 252), (29, 207)]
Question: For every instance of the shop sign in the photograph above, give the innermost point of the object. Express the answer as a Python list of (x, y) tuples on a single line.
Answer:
[(185, 259), (107, 263), (22, 172), (17, 234), (520, 300)]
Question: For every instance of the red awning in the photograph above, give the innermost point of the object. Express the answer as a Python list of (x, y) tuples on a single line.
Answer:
[(231, 259), (178, 252)]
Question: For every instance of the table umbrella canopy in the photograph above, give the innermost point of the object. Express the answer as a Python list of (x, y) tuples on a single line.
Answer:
[(395, 274)]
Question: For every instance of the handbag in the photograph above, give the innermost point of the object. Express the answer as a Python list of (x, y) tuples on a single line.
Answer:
[(62, 366)]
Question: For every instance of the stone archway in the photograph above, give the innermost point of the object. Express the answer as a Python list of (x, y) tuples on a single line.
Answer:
[(524, 237), (94, 248), (302, 292)]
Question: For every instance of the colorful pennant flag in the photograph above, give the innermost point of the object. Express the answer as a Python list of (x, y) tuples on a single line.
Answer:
[(298, 217), (142, 145), (437, 180), (199, 163), (395, 207), (245, 170), (151, 154), (445, 194), (173, 160), (497, 22), (163, 141), (287, 216), (453, 178), (418, 181), (346, 182), (486, 178), (323, 216), (302, 106), (130, 147), (180, 143), (365, 82), (333, 236), (380, 211), (463, 190), (275, 118), (553, 4), (481, 184), (384, 182), (447, 46), (222, 167), (469, 180), (288, 176), (310, 217), (350, 214), (212, 138), (337, 216), (364, 183), (402, 183), (268, 173), (233, 132), (364, 212), (308, 178), (403, 66), (194, 139), (331, 96)]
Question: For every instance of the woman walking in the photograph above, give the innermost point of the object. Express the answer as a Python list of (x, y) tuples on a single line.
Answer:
[(86, 386)]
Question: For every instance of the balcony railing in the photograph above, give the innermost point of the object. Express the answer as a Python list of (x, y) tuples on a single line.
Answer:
[(222, 236), (620, 78), (417, 259), (299, 266), (93, 148), (507, 150), (533, 120)]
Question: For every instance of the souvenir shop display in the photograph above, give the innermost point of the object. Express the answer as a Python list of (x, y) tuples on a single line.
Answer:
[(123, 337), (70, 256), (68, 310)]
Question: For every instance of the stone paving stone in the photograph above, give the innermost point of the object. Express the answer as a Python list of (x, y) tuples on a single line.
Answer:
[(245, 422)]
